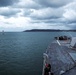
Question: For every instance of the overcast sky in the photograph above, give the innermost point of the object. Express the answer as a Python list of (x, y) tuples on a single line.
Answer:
[(20, 15)]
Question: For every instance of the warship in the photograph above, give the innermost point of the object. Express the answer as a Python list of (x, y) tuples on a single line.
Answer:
[(60, 57)]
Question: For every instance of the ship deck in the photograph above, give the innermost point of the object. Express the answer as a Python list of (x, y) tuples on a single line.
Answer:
[(61, 57)]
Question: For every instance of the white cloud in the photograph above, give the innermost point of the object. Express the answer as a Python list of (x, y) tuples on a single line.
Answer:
[(14, 22), (70, 12), (47, 13), (70, 15)]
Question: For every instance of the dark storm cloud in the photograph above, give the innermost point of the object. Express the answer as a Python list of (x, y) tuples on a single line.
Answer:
[(4, 3), (71, 22), (9, 12), (27, 12), (71, 25), (52, 3), (44, 18), (44, 21)]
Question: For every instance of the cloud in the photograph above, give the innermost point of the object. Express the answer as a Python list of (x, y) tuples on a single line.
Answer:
[(27, 12), (14, 24), (70, 15), (41, 14), (70, 12), (28, 4), (53, 3), (4, 3), (46, 13), (8, 12)]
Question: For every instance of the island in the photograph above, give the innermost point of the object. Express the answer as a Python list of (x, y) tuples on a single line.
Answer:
[(48, 30)]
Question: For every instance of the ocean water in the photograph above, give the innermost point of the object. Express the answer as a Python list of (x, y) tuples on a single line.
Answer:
[(21, 53)]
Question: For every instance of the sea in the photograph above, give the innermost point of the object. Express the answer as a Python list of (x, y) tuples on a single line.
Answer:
[(21, 53)]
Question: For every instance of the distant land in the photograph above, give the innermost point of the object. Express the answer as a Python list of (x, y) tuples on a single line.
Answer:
[(47, 30)]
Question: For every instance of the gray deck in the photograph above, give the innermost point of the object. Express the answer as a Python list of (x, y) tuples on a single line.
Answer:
[(61, 58)]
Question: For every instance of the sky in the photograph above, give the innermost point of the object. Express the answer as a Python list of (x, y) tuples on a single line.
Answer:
[(20, 15)]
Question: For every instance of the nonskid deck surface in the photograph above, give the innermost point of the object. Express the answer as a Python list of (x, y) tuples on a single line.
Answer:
[(60, 57)]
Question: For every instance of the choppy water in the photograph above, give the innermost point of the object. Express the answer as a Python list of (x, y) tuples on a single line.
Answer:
[(21, 53)]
